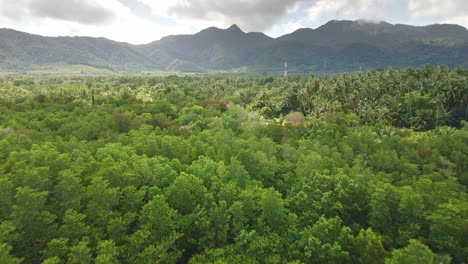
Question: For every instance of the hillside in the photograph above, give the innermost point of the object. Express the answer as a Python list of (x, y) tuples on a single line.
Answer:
[(20, 50), (336, 46)]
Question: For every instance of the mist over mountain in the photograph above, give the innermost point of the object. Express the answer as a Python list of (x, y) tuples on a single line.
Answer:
[(337, 46)]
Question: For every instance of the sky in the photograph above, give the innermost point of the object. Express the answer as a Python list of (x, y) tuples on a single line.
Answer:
[(143, 21)]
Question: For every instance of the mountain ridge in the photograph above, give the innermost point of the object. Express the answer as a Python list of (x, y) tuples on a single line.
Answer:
[(336, 46)]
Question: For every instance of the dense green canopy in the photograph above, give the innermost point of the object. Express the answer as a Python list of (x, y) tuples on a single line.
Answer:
[(352, 168)]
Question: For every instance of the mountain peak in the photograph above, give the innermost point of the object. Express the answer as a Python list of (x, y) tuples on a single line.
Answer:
[(235, 28)]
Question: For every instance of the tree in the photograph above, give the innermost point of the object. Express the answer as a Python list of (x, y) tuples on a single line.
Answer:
[(449, 229), (7, 193), (186, 193), (6, 257), (7, 237), (410, 215), (206, 169), (102, 201), (118, 227), (158, 218), (73, 228), (326, 241), (383, 204), (219, 224), (273, 212), (107, 253), (33, 221), (58, 249), (236, 173), (67, 193), (80, 254), (52, 260), (141, 249), (367, 247), (415, 253), (162, 252)]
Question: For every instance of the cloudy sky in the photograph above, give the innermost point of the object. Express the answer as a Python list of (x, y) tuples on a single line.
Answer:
[(142, 21)]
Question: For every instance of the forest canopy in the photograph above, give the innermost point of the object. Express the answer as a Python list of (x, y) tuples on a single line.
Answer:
[(351, 168)]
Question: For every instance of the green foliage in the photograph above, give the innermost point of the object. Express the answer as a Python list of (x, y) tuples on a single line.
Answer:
[(171, 170), (448, 227), (415, 253), (80, 254), (107, 252), (326, 241), (5, 255), (33, 221), (367, 247), (186, 193)]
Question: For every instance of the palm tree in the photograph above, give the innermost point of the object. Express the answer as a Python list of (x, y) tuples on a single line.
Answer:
[(303, 99)]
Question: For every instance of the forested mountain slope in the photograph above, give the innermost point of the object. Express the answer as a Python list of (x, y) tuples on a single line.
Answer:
[(20, 50), (337, 46)]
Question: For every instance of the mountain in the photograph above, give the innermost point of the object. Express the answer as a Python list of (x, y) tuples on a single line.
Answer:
[(20, 50), (211, 48), (351, 45), (336, 46), (381, 34)]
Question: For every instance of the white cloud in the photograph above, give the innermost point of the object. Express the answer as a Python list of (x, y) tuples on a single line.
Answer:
[(160, 7), (399, 11), (450, 11), (285, 28), (437, 9), (112, 19), (251, 15), (459, 20), (349, 9), (120, 25), (80, 11)]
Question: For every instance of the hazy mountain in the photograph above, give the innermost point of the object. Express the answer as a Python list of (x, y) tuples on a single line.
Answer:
[(211, 48), (382, 34), (352, 45), (334, 47), (20, 50)]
